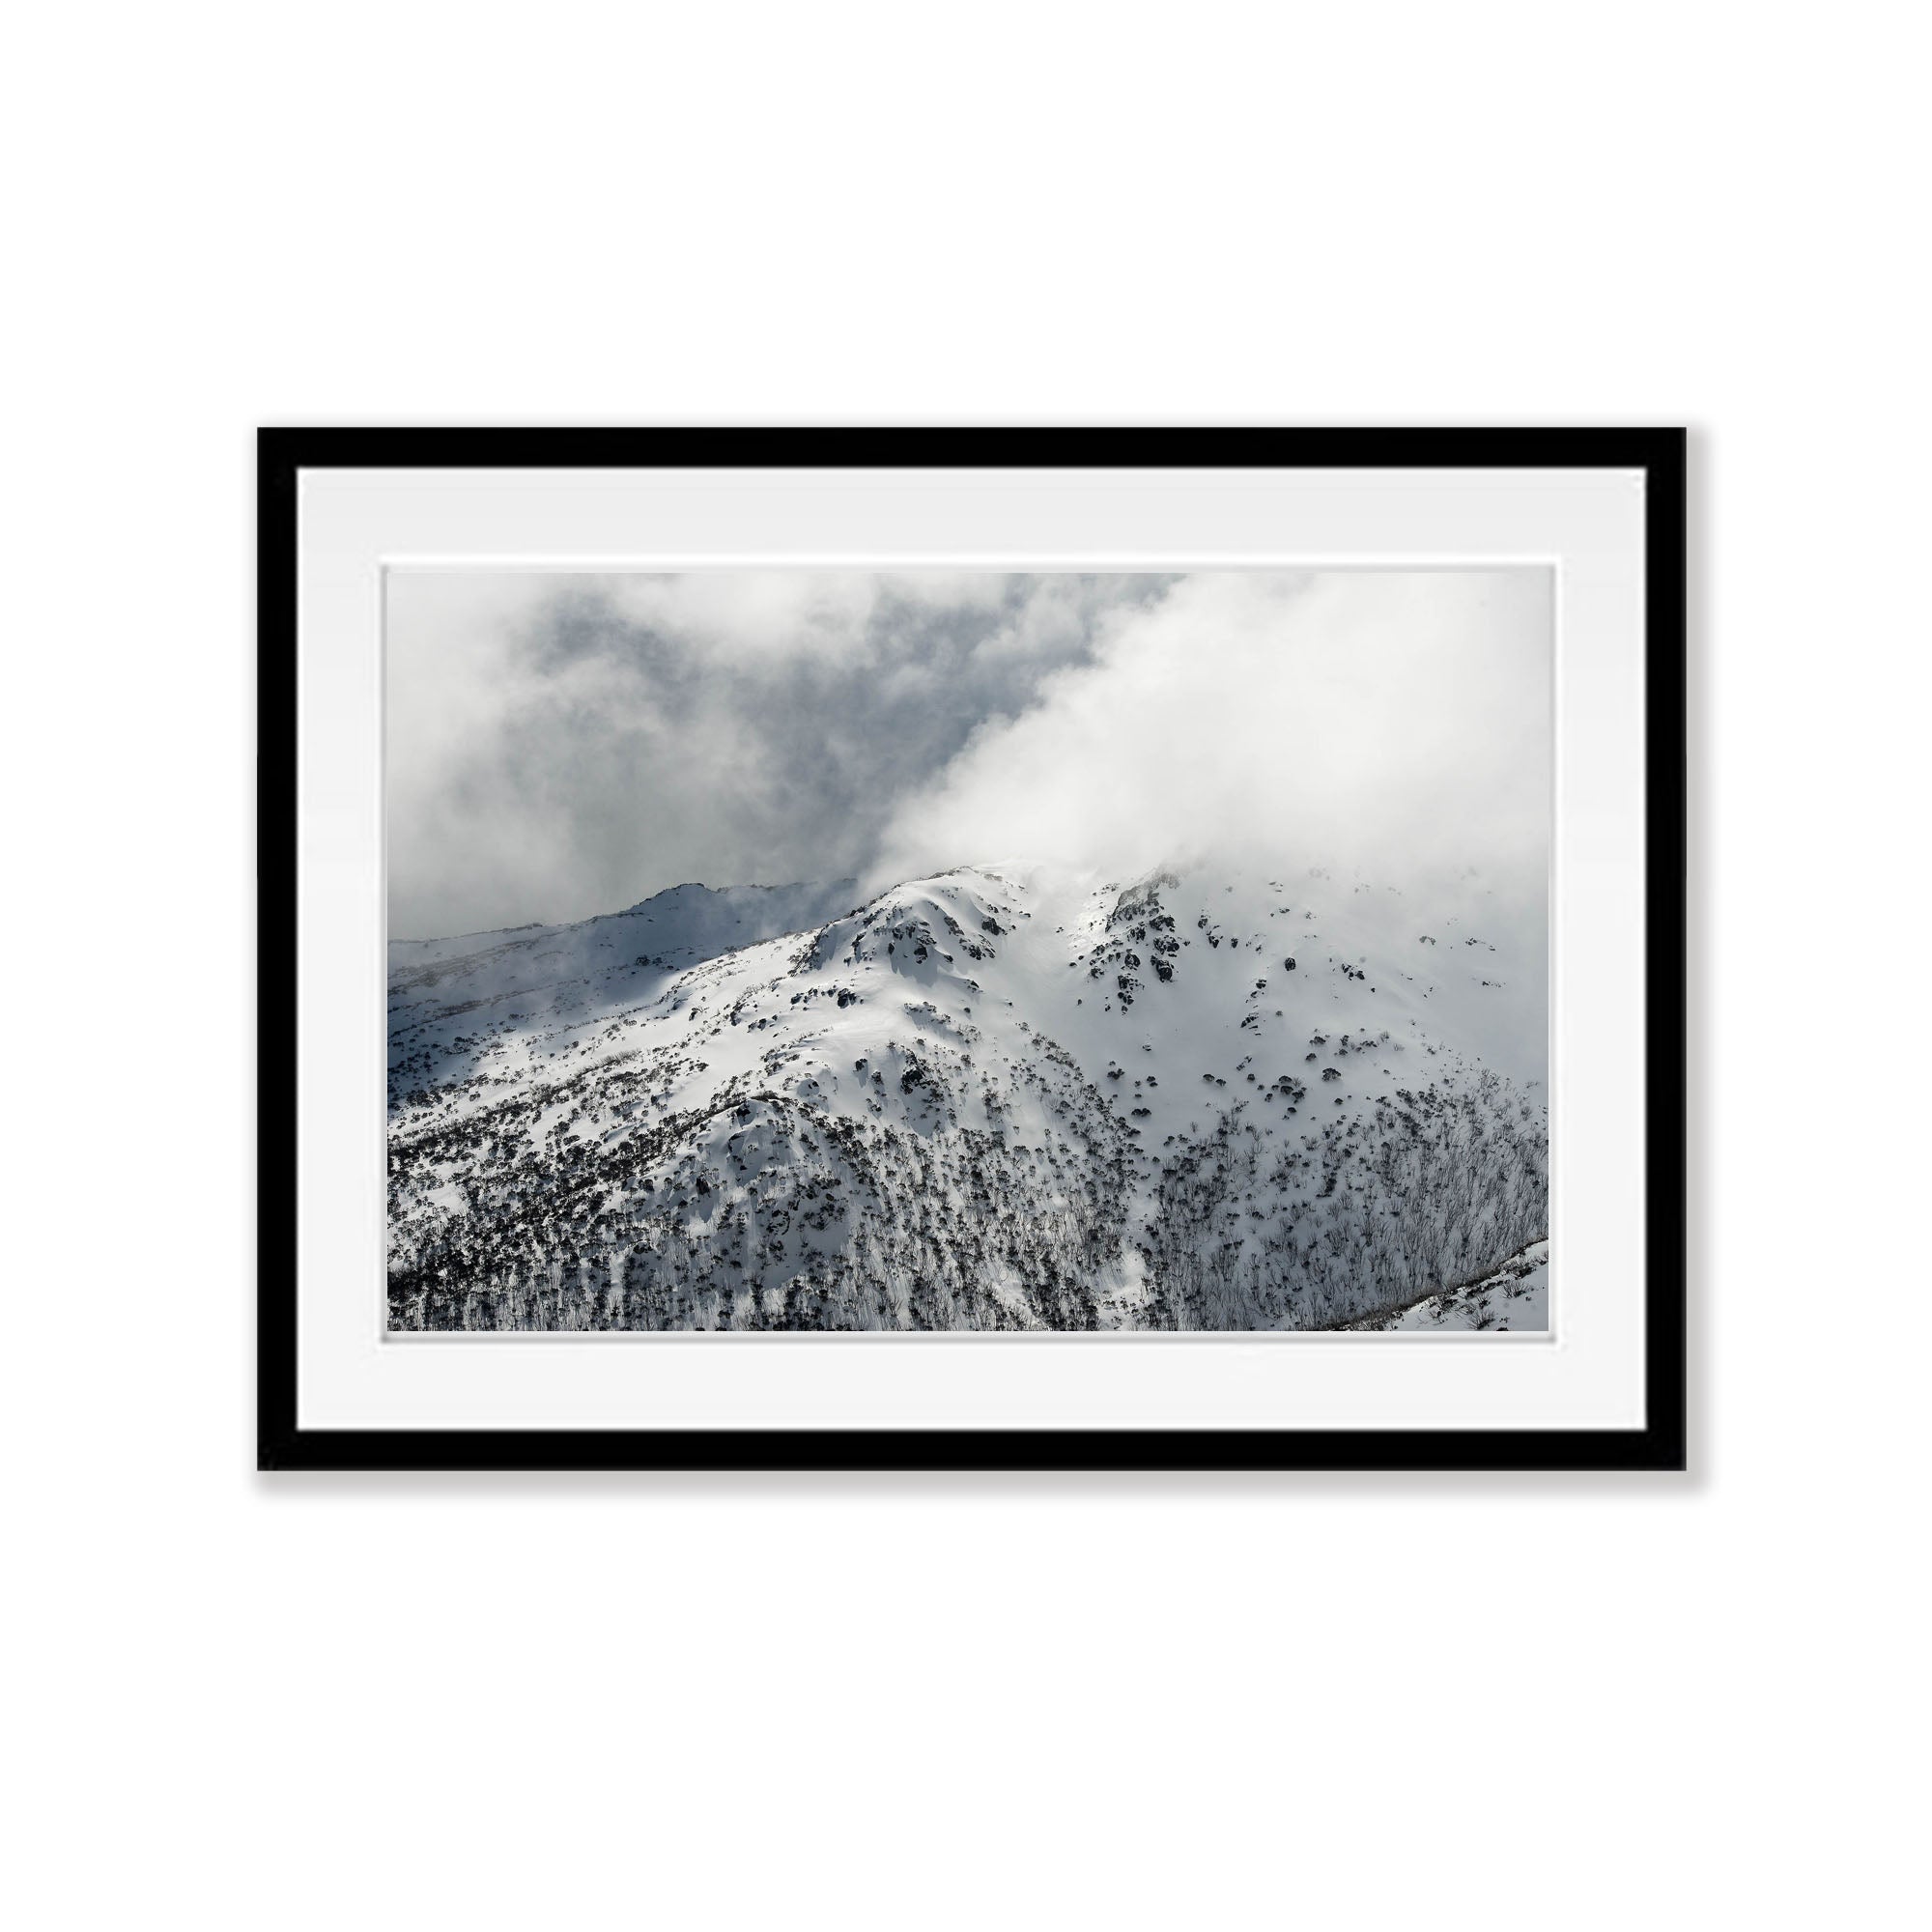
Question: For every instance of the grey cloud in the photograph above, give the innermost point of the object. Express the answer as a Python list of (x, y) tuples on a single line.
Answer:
[(568, 744)]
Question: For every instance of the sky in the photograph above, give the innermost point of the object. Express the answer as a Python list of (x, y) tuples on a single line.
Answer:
[(567, 745)]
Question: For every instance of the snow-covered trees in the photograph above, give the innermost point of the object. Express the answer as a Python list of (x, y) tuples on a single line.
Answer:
[(839, 1130)]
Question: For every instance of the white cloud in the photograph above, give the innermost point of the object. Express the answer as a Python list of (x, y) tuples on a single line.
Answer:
[(1396, 723), (567, 745)]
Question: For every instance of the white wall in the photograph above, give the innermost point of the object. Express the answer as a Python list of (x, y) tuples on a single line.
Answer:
[(239, 1702)]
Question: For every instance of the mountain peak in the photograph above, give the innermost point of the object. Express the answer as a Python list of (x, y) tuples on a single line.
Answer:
[(1001, 1096)]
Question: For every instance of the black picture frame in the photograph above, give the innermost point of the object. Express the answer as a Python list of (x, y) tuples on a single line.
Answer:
[(1660, 1444)]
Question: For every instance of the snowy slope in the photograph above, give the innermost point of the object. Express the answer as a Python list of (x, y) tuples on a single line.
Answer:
[(1000, 1097), (1515, 1295), (442, 990)]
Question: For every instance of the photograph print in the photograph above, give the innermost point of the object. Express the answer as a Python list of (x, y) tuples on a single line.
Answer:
[(805, 951)]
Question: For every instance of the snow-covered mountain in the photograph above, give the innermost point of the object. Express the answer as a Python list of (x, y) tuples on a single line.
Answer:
[(998, 1097)]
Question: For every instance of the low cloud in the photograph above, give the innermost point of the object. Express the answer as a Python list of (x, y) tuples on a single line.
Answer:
[(560, 746), (1394, 724), (563, 745)]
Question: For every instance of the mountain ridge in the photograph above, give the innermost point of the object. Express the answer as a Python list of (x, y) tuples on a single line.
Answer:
[(997, 1096)]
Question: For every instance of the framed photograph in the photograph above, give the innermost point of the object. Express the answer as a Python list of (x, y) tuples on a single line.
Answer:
[(1031, 949)]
